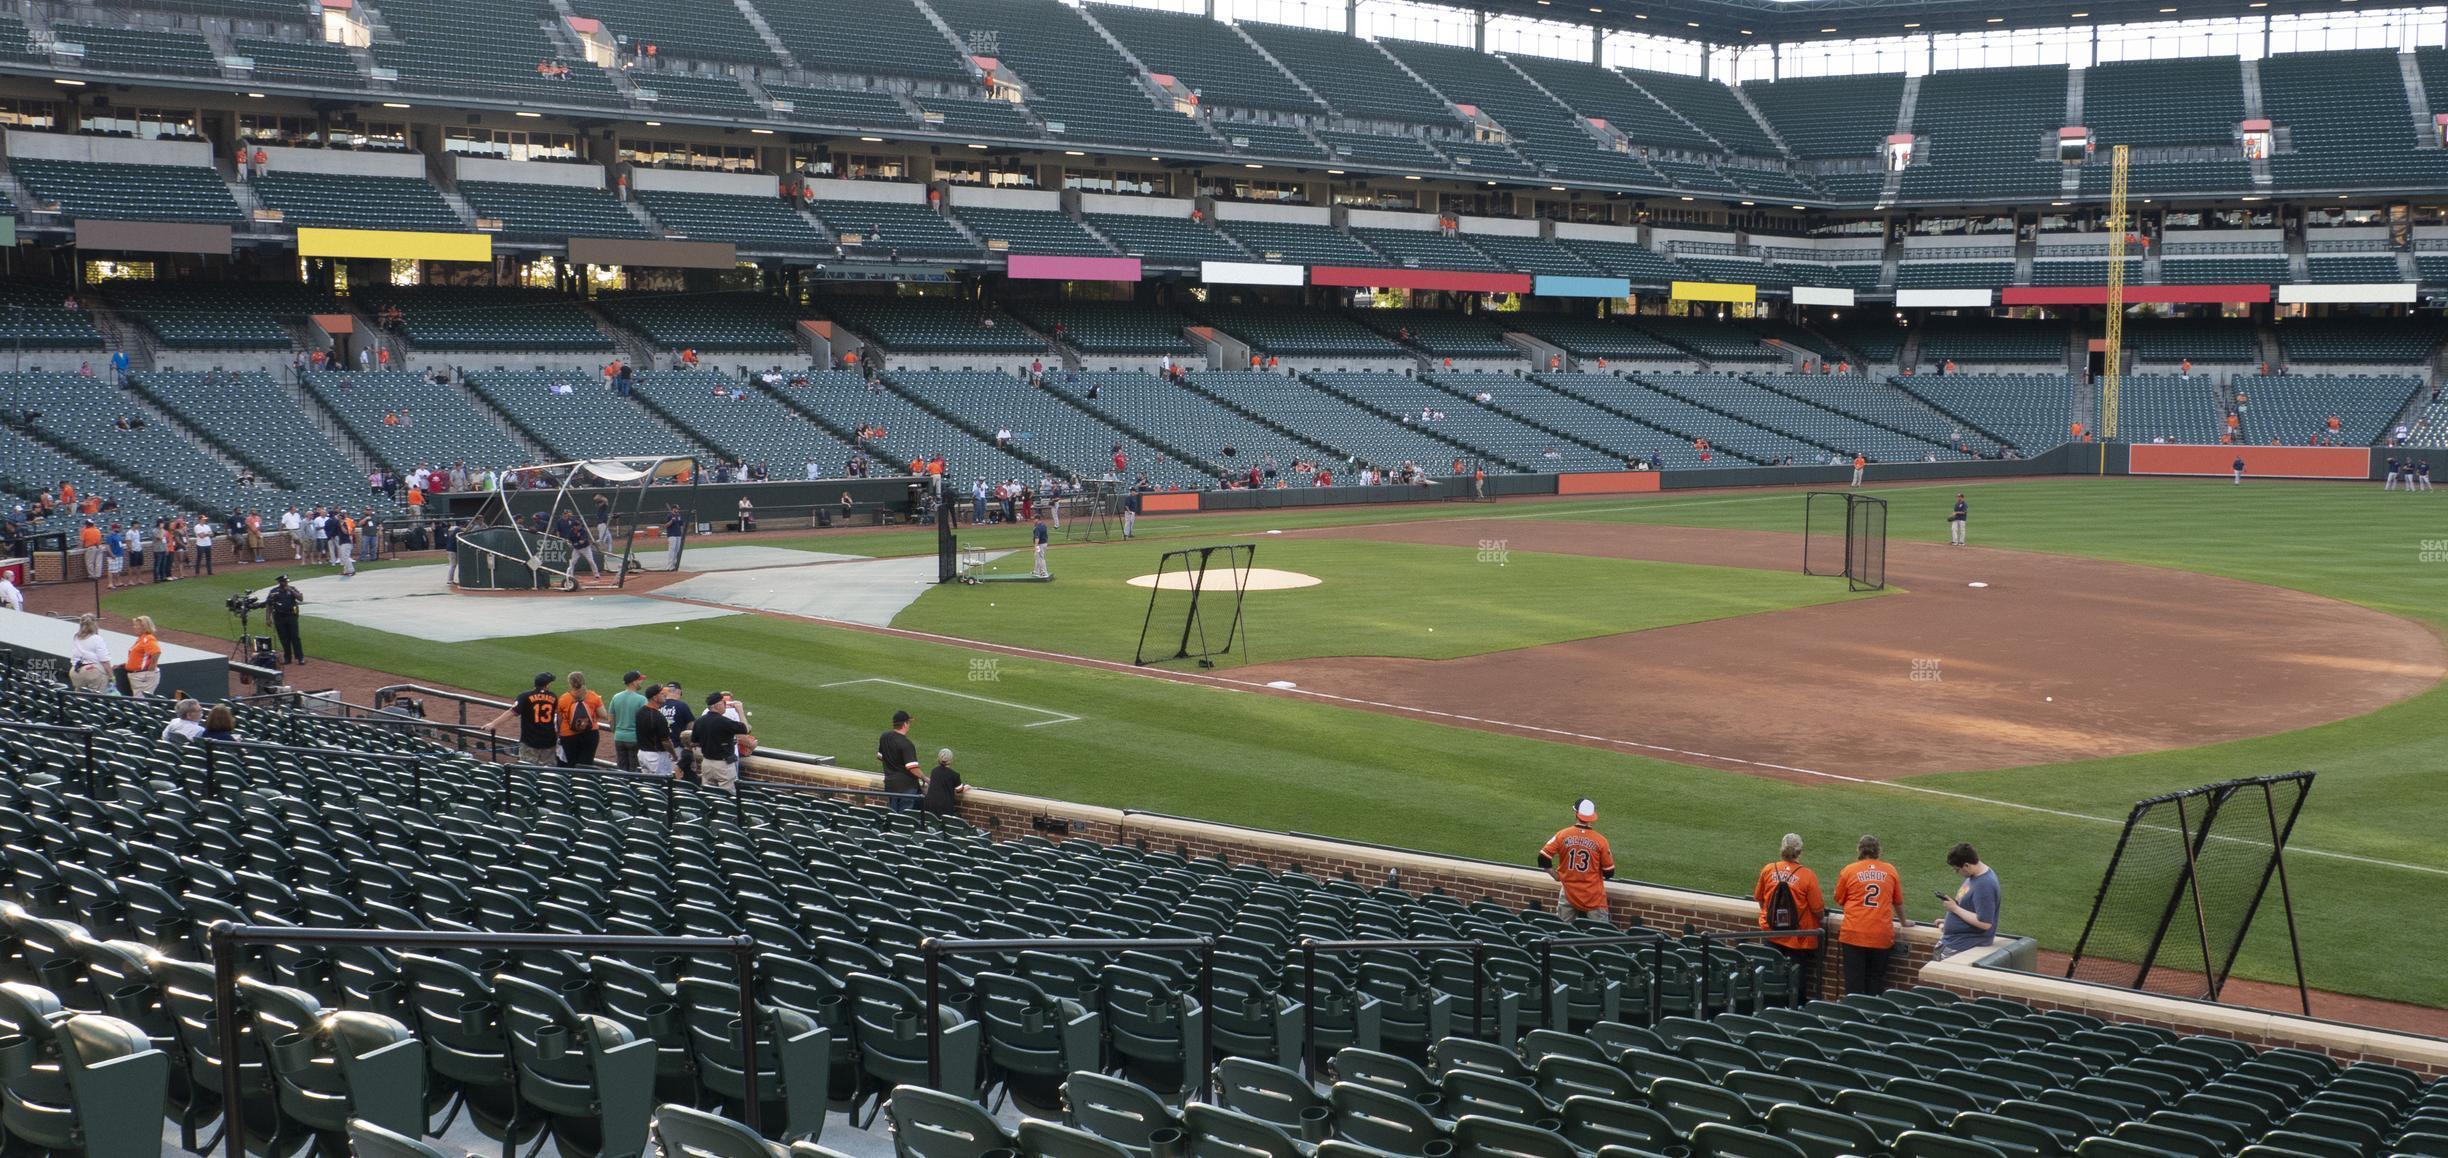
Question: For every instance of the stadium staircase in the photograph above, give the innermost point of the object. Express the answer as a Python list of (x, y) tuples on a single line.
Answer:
[(765, 32), (1744, 99), (1290, 75), (2417, 100), (118, 333), (483, 408), (328, 424)]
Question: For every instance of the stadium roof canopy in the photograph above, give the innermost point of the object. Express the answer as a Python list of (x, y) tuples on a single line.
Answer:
[(1736, 22)]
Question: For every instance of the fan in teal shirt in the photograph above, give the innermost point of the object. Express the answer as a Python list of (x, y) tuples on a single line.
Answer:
[(625, 706)]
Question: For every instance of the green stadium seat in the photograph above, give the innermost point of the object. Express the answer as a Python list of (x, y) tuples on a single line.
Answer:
[(1917, 1144), (1718, 1140), (1822, 1133)]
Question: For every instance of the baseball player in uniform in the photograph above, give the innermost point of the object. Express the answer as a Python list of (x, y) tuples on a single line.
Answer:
[(2239, 470), (1957, 522), (2422, 473), (2391, 484), (1037, 535)]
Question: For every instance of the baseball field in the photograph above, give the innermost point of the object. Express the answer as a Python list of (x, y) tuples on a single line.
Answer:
[(1462, 672)]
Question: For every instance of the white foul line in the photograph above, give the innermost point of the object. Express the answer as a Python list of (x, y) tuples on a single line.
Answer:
[(1059, 717)]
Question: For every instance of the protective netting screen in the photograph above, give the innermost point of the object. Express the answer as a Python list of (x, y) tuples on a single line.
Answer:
[(1826, 524), (2189, 874), (1194, 610)]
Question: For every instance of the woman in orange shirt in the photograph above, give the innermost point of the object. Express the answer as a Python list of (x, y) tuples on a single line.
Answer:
[(1798, 905), (144, 659)]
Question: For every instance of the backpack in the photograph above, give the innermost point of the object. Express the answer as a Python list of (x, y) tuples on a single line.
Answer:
[(1783, 914), (581, 720)]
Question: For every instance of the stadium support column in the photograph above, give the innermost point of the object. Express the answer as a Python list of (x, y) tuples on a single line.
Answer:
[(1479, 23)]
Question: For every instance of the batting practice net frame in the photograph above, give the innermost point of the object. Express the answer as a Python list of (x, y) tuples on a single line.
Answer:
[(499, 551), (1851, 542), (1209, 574), (1089, 516), (2190, 871)]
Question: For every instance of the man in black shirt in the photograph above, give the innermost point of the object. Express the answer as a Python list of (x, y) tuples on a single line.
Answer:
[(538, 713), (943, 787), (717, 739), (654, 735), (681, 717), (900, 759), (283, 601)]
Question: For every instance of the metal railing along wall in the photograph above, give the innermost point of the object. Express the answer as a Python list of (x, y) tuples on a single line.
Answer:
[(1656, 941), (1310, 948), (1202, 949), (1707, 940), (226, 938)]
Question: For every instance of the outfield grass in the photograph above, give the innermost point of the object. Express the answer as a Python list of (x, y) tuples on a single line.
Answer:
[(1277, 763), (1383, 599)]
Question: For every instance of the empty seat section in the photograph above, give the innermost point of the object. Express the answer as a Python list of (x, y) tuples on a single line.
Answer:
[(1645, 266), (1843, 434), (2349, 124), (1826, 117), (1983, 133), (488, 318), (1046, 427), (694, 92), (1032, 231), (1714, 341), (752, 223), (1453, 413), (1109, 327), (352, 201), (899, 430), (1353, 76), (1606, 95), (1426, 249), (140, 50), (551, 212), (1439, 334), (300, 61), (2352, 341), (701, 29), (1350, 429), (486, 50), (83, 416), (221, 316), (29, 468), (1404, 152), (1074, 76), (2295, 408), (1299, 243), (1198, 424), (254, 419), (1208, 57), (1971, 340), (438, 424), (2030, 412), (1266, 138), (1955, 273), (1532, 400), (44, 316), (739, 322), (1176, 240), (878, 228), (1533, 255), (1592, 338), (1730, 439), (575, 417), (1883, 405), (110, 191), (882, 37), (986, 117), (1709, 105), (933, 325), (859, 108), (1290, 331), (743, 423)]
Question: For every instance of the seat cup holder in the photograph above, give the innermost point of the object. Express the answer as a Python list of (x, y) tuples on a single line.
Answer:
[(552, 1042)]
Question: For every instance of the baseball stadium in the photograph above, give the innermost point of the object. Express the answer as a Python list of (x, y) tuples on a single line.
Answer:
[(1222, 578)]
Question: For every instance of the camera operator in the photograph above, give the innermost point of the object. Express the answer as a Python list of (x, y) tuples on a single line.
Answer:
[(283, 601)]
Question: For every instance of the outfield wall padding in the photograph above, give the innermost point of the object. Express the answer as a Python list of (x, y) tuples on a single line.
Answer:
[(2349, 462)]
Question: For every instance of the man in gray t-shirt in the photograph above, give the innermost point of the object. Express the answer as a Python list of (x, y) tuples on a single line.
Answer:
[(1972, 913)]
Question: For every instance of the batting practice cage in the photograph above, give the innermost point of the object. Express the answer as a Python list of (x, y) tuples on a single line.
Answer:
[(1089, 516), (1194, 611), (1845, 534), (2189, 873), (515, 541)]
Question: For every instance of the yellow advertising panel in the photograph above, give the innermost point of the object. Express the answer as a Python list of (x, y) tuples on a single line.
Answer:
[(393, 243), (1713, 291)]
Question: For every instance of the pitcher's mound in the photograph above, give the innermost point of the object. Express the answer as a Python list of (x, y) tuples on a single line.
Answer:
[(1260, 579)]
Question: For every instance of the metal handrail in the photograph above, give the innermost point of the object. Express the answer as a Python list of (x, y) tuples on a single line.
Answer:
[(935, 949), (1708, 939), (1650, 937), (1310, 948), (225, 937)]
